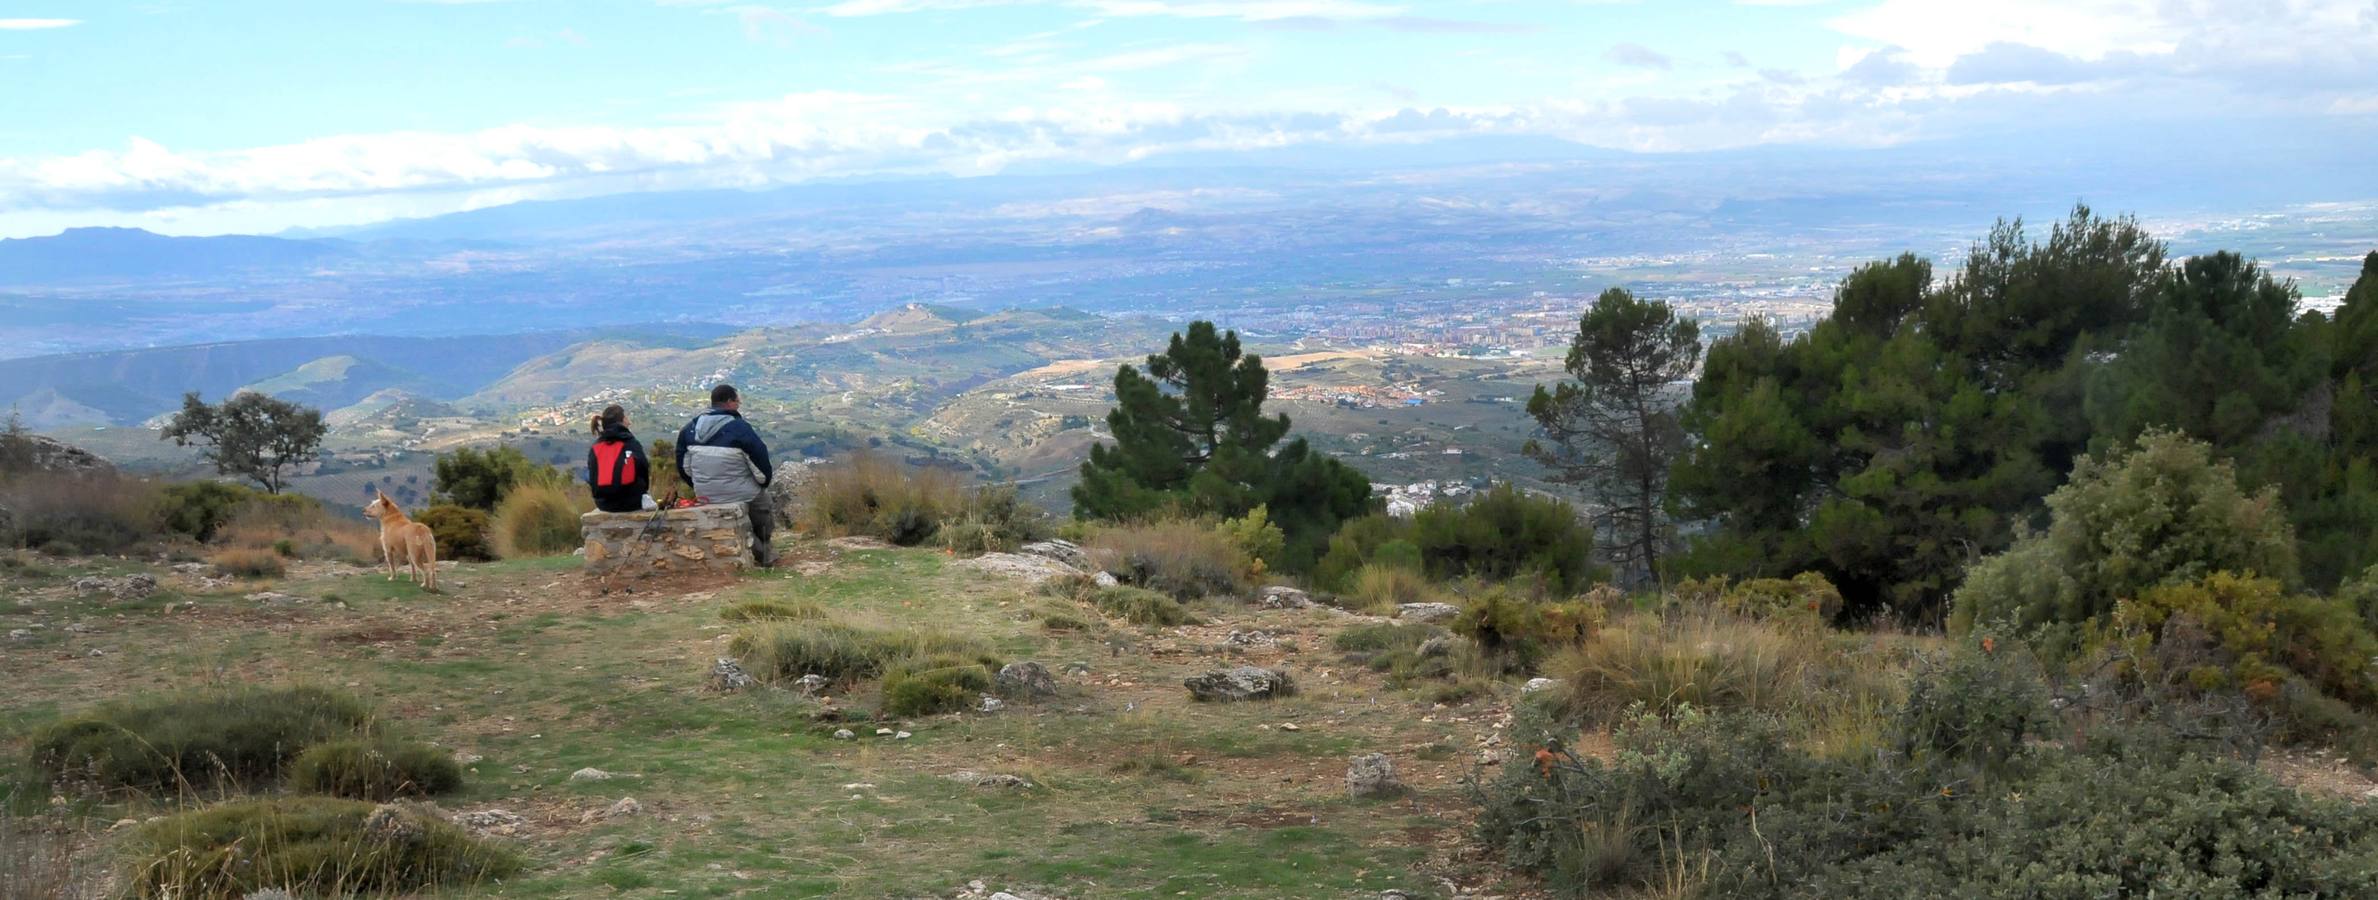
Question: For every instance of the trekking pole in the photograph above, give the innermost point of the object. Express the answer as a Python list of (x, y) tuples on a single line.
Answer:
[(652, 525)]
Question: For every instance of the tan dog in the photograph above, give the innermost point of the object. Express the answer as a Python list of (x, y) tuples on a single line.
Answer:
[(400, 536)]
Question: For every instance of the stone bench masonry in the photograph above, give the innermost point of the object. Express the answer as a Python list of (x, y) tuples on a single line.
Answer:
[(704, 539)]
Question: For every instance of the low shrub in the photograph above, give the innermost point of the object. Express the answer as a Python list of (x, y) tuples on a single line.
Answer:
[(88, 515), (480, 479), (249, 562), (1058, 615), (1507, 535), (1379, 589), (935, 685), (535, 520), (309, 846), (2226, 631), (995, 519), (377, 770), (1140, 606), (1377, 538), (2361, 595), (1706, 660), (1702, 804), (1258, 541), (773, 610), (1804, 599), (872, 496), (39, 860), (785, 651), (1408, 653), (1975, 707), (200, 508), (299, 527), (461, 532), (1514, 632), (1185, 558), (239, 736)]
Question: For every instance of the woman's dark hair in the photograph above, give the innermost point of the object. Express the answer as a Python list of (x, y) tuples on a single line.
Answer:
[(612, 415)]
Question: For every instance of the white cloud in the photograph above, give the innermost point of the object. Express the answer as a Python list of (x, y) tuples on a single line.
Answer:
[(36, 24), (1242, 10)]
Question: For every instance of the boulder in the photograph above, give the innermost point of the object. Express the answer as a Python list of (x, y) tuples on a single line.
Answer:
[(1026, 680), (1435, 647), (590, 773), (811, 685), (54, 457), (136, 586), (990, 780), (490, 821), (1371, 775), (1105, 580), (1033, 569), (1239, 684), (1067, 552), (1430, 613), (1280, 596), (1539, 684), (728, 675), (785, 490)]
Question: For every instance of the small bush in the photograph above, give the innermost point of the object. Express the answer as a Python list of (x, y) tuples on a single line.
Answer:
[(1377, 538), (461, 532), (249, 562), (1508, 535), (535, 520), (243, 736), (1806, 598), (773, 610), (480, 479), (199, 508), (1706, 660), (79, 516), (1405, 652), (1259, 542), (1379, 589), (995, 519), (785, 651), (1140, 606), (2361, 595), (1514, 632), (1061, 616), (310, 846), (1185, 558), (928, 687), (299, 527), (875, 497), (1974, 707), (376, 770)]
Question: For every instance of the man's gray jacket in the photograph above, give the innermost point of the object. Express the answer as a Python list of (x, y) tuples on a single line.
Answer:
[(723, 458)]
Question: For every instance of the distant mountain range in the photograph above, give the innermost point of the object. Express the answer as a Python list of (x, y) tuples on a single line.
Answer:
[(86, 254)]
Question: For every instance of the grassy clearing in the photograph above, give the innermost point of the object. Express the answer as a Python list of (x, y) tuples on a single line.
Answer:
[(1139, 793)]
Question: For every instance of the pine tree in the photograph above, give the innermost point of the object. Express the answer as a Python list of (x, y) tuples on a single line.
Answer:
[(1613, 428), (1191, 438)]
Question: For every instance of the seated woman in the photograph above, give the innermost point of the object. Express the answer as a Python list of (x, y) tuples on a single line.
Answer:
[(616, 466)]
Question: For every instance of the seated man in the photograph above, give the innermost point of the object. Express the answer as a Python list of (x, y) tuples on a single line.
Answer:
[(722, 458)]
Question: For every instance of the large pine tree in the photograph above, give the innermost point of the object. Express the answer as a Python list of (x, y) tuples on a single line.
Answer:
[(1612, 428), (1191, 438)]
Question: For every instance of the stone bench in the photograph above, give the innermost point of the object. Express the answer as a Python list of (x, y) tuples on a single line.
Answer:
[(703, 539)]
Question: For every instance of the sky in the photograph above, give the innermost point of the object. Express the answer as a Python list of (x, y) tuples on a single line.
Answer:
[(250, 116)]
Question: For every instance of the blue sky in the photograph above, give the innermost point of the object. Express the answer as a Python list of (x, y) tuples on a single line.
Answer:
[(256, 116)]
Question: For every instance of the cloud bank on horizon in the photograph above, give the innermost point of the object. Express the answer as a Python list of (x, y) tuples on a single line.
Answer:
[(258, 116)]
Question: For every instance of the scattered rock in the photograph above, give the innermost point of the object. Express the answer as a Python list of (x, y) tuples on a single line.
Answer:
[(728, 675), (844, 734), (1033, 569), (136, 586), (590, 773), (275, 598), (1372, 775), (1027, 680), (990, 780), (627, 806), (1105, 580), (1539, 684), (1281, 596), (1067, 552), (992, 704), (1435, 647), (1239, 638), (901, 735), (1239, 684), (467, 758), (490, 821), (391, 823), (20, 634), (1395, 894), (269, 894), (811, 685), (1430, 613), (90, 584), (1077, 668), (859, 542), (883, 732)]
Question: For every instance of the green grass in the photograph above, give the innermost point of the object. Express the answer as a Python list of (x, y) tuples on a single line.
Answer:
[(541, 688)]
